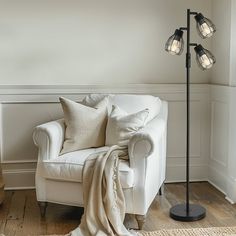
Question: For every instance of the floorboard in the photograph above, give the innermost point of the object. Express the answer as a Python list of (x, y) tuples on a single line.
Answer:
[(19, 215)]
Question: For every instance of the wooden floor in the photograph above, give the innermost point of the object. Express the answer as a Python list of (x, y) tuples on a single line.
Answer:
[(19, 215)]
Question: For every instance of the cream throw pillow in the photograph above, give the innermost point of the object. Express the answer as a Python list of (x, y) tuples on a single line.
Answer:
[(122, 126), (85, 126)]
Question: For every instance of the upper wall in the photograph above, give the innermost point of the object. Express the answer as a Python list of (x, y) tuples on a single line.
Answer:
[(224, 46), (233, 44), (94, 42), (221, 16)]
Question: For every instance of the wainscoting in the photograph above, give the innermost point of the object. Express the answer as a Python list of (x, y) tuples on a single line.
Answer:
[(24, 107), (222, 161)]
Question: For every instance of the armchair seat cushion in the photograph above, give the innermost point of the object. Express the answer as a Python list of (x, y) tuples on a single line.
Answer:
[(69, 167)]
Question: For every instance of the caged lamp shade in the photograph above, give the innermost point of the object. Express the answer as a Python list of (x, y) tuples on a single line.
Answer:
[(205, 58), (175, 43), (205, 27)]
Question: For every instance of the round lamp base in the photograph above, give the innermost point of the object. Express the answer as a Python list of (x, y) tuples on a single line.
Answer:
[(179, 212)]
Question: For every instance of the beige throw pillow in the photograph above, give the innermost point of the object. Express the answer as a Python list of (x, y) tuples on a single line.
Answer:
[(85, 126), (121, 126)]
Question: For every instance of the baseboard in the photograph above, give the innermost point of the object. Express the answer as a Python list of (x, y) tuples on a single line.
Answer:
[(20, 188), (231, 190), (218, 179), (19, 179), (223, 183), (217, 187)]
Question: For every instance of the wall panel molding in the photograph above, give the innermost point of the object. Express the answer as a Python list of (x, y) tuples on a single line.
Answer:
[(219, 103), (219, 132), (223, 135), (24, 107), (93, 88)]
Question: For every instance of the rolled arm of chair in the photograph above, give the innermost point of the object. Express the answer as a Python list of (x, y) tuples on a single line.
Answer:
[(145, 141), (145, 156), (49, 139)]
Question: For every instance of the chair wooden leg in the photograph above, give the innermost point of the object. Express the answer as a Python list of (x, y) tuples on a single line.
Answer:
[(140, 220), (42, 208), (161, 190)]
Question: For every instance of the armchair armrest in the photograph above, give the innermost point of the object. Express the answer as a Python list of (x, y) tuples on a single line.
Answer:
[(49, 139), (147, 159), (146, 140), (147, 156)]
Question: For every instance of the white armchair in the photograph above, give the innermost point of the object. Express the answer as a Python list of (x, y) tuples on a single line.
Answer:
[(59, 178)]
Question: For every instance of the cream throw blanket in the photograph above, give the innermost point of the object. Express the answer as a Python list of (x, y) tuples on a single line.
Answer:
[(104, 202)]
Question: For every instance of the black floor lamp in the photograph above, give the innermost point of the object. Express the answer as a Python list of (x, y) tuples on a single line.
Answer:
[(205, 60)]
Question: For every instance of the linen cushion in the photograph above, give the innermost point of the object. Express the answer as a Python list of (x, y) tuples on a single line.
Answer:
[(85, 126), (121, 125), (130, 103), (69, 167)]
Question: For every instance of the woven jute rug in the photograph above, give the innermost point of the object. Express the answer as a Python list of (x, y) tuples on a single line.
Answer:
[(229, 231), (221, 231)]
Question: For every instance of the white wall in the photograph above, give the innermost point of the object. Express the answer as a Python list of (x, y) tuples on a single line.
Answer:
[(94, 42), (221, 16), (231, 184), (224, 47), (219, 149), (233, 44), (222, 161)]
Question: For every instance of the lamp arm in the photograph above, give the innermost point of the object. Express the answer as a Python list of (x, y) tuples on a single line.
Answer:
[(183, 28), (190, 13)]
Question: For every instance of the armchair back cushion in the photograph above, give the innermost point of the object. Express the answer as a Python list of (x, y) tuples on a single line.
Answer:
[(130, 103)]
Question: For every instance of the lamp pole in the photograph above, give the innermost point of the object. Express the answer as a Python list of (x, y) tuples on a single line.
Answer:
[(188, 65)]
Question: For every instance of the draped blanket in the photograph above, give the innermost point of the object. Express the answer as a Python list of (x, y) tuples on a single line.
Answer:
[(104, 202)]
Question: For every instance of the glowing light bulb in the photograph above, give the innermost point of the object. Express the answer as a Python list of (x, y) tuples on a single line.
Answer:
[(206, 30), (206, 61), (175, 43), (205, 58), (205, 27), (175, 47)]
